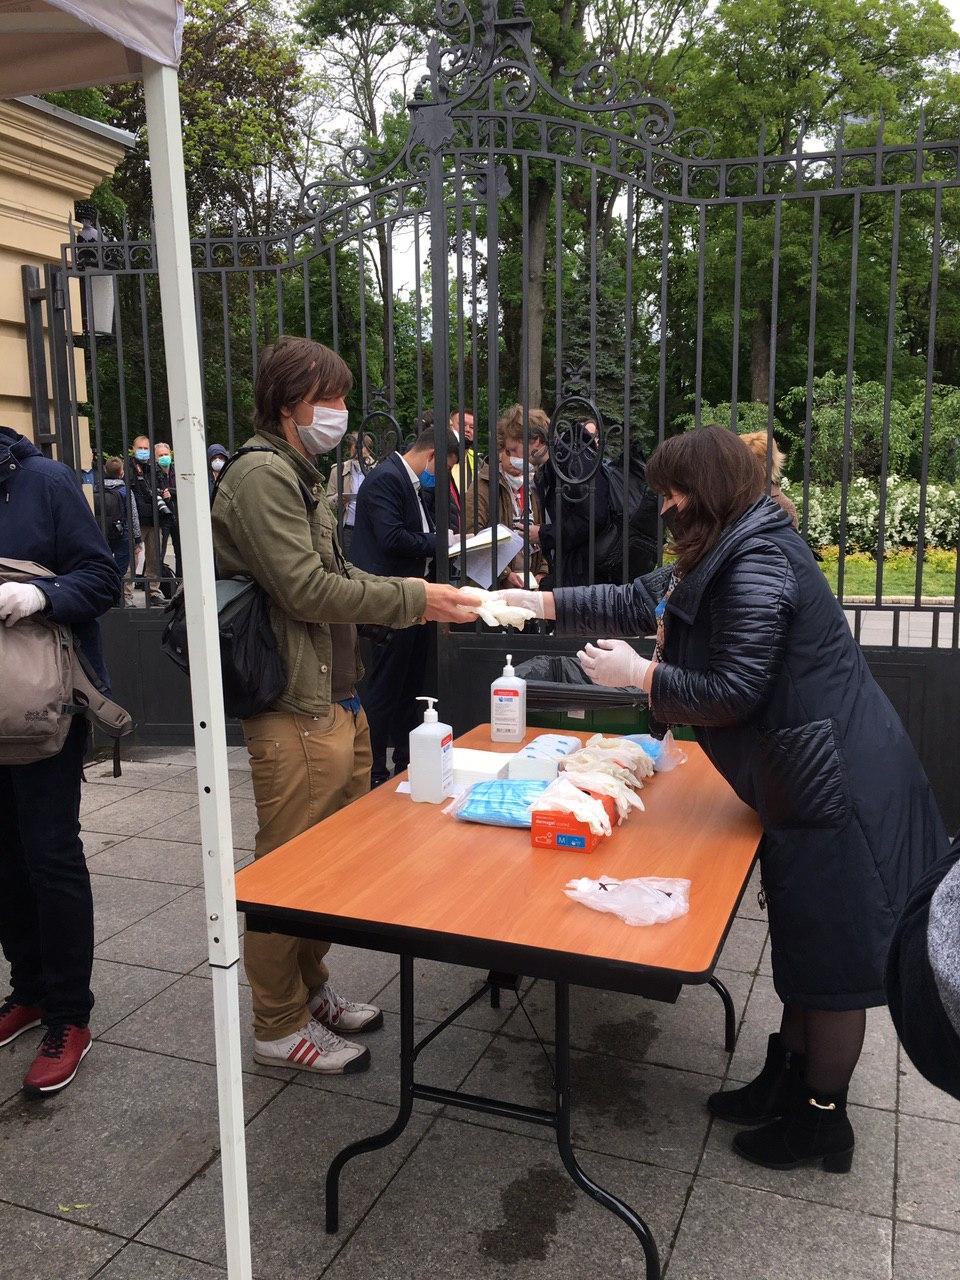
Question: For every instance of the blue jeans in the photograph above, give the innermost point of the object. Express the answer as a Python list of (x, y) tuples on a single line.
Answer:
[(46, 905)]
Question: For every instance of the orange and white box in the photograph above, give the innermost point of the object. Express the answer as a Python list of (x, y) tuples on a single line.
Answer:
[(553, 829)]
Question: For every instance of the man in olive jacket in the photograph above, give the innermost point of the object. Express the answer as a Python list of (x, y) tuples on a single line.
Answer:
[(310, 753)]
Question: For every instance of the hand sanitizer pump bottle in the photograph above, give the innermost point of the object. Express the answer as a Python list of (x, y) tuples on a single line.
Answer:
[(431, 758), (508, 706)]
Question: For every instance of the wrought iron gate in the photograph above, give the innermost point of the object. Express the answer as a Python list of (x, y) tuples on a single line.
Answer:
[(555, 238)]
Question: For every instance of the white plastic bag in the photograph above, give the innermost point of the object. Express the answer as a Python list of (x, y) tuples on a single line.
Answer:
[(605, 784), (563, 797), (647, 900), (666, 753), (624, 752)]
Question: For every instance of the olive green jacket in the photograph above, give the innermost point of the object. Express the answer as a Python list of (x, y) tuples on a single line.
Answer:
[(272, 521)]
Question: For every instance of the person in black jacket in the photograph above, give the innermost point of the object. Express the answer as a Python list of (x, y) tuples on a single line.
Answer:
[(572, 507), (394, 536), (755, 652), (46, 907)]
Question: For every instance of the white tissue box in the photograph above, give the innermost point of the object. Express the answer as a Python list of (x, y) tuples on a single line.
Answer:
[(471, 766), (541, 758)]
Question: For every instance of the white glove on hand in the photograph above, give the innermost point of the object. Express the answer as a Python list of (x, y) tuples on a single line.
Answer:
[(540, 603), (19, 600), (613, 663), (453, 539)]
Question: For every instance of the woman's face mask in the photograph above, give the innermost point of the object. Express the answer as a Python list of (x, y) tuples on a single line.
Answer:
[(670, 515), (218, 464), (165, 460), (325, 432)]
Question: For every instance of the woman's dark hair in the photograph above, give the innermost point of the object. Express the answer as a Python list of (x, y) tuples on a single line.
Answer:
[(294, 369), (720, 478)]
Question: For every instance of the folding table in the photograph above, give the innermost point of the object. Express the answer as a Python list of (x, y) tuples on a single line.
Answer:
[(391, 875)]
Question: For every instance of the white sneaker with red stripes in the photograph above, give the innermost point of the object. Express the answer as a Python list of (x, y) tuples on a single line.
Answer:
[(313, 1048), (340, 1014)]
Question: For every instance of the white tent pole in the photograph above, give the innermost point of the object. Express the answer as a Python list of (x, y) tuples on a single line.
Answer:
[(175, 273)]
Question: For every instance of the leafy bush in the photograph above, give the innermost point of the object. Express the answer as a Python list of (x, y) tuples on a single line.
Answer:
[(901, 515)]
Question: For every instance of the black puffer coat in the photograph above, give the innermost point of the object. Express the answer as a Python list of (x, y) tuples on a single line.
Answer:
[(760, 660)]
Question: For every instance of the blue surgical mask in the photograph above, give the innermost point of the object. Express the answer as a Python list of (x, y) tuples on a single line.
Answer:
[(142, 455), (427, 479)]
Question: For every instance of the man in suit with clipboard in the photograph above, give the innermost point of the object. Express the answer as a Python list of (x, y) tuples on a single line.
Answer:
[(394, 535)]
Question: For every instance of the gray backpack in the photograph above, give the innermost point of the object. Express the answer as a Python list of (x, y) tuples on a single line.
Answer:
[(45, 684)]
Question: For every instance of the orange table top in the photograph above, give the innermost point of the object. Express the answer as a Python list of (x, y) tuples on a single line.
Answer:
[(394, 875)]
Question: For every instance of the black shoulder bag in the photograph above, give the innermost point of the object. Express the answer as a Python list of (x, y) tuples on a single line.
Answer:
[(253, 673)]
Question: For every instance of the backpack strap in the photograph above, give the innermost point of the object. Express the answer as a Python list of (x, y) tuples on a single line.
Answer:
[(102, 712), (309, 501)]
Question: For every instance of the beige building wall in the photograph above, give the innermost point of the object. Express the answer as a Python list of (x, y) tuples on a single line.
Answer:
[(48, 160)]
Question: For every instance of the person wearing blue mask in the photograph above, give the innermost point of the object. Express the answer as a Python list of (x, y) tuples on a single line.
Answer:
[(167, 506), (142, 481)]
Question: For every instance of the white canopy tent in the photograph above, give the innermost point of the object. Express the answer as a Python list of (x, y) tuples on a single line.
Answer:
[(68, 44)]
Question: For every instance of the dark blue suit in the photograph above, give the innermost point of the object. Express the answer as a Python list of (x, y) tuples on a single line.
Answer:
[(388, 538), (46, 908)]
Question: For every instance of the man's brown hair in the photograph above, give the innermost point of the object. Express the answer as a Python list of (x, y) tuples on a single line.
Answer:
[(294, 369), (510, 426), (113, 468), (720, 478)]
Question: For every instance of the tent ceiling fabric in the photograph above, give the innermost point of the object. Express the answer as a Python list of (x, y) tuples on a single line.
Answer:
[(68, 44)]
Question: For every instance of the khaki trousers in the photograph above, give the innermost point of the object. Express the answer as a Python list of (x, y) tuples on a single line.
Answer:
[(304, 769)]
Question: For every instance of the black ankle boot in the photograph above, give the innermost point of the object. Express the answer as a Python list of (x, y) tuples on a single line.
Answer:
[(814, 1130), (768, 1095)]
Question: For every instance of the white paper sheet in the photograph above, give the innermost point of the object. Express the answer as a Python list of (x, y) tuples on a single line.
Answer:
[(477, 566)]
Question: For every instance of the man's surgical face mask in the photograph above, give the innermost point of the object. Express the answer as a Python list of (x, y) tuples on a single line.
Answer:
[(142, 455), (325, 432), (218, 464)]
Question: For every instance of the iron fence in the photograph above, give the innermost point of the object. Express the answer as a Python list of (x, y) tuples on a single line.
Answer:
[(565, 244)]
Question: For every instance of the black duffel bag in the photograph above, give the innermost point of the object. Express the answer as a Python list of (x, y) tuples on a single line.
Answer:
[(253, 673)]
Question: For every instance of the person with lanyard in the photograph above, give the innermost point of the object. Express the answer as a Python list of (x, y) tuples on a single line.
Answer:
[(755, 652), (394, 535), (344, 481), (513, 499), (310, 753)]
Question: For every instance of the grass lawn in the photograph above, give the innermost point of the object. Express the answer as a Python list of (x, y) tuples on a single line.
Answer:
[(899, 573)]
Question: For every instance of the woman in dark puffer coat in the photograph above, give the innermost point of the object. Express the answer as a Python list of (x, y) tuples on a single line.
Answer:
[(754, 651)]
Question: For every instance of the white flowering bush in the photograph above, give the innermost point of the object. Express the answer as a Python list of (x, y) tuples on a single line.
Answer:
[(901, 518)]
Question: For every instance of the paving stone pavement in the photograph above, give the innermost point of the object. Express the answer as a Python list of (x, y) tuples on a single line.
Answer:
[(119, 1176)]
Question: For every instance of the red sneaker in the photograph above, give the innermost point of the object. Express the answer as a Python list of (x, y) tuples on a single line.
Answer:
[(15, 1018), (61, 1051)]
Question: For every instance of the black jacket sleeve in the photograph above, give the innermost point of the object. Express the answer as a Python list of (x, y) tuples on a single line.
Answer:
[(612, 611), (383, 498), (87, 581), (752, 604)]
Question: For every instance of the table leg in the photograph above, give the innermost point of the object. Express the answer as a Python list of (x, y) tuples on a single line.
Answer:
[(729, 1015), (632, 1219), (383, 1139)]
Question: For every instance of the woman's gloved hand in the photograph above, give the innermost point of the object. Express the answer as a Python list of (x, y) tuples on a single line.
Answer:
[(615, 664), (18, 600), (540, 603)]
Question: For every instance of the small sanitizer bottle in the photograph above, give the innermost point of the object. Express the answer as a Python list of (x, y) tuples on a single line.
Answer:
[(508, 706), (431, 758)]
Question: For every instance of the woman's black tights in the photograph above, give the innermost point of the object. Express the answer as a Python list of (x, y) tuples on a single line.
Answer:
[(831, 1041)]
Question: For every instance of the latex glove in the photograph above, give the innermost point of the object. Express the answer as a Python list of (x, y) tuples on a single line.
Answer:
[(448, 604), (613, 663), (19, 600), (540, 603), (453, 539)]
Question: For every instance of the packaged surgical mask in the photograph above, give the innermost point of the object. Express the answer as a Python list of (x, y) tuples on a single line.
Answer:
[(325, 432), (498, 803)]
